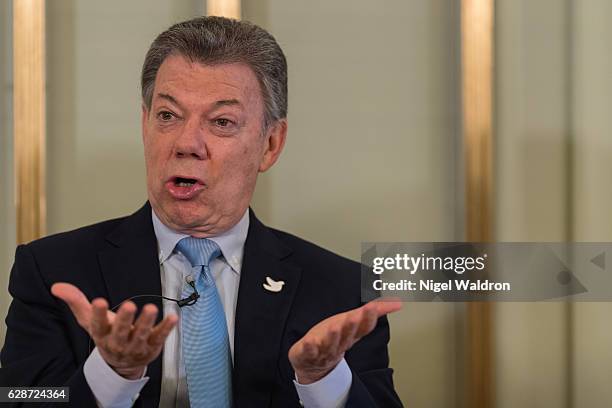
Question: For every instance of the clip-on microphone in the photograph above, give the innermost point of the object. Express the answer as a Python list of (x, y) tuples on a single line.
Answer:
[(188, 301)]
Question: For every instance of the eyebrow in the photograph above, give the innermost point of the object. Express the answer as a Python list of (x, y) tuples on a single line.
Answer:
[(168, 97), (227, 102), (218, 104)]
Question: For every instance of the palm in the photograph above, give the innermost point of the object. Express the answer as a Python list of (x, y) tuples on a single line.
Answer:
[(324, 345), (127, 345)]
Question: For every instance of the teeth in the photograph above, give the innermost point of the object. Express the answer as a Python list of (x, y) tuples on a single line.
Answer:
[(184, 184)]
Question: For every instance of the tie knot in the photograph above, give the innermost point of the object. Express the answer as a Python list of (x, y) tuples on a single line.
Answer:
[(199, 251)]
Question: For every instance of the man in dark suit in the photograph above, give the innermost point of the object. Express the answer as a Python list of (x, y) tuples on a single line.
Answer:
[(268, 320)]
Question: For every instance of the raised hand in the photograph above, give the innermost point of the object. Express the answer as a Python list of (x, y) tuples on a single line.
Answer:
[(323, 347), (126, 345)]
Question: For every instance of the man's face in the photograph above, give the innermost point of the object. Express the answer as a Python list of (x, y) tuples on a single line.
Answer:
[(204, 144)]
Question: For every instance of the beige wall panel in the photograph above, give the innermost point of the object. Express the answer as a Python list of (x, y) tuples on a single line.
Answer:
[(531, 355), (593, 193), (531, 349), (531, 120), (371, 150), (225, 8), (95, 53), (371, 122), (7, 196)]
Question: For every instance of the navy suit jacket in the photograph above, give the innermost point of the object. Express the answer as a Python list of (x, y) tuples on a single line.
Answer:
[(117, 259)]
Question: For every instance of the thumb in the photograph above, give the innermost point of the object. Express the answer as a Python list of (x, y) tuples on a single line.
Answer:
[(76, 301)]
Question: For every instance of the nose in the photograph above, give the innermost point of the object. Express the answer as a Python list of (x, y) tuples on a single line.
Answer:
[(190, 142)]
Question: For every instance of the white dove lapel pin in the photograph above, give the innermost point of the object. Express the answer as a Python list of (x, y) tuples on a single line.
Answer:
[(272, 285)]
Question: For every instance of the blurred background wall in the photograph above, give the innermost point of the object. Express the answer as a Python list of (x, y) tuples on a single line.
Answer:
[(591, 99), (533, 192), (7, 205), (553, 150), (373, 153)]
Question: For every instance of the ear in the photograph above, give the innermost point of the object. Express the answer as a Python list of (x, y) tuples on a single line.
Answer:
[(274, 143)]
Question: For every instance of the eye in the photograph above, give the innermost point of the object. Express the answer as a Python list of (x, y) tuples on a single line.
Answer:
[(223, 122), (165, 116)]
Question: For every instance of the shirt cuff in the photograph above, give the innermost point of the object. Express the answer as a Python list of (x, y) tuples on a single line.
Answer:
[(110, 389), (330, 391)]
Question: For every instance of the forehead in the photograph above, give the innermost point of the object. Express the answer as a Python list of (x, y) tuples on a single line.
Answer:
[(194, 82)]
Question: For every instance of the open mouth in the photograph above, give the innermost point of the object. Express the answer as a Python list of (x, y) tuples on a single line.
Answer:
[(184, 188), (184, 182)]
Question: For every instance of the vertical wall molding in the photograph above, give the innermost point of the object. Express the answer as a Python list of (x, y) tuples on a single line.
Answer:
[(29, 117), (477, 97), (224, 8)]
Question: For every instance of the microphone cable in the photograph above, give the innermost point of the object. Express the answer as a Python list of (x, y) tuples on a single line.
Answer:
[(188, 301)]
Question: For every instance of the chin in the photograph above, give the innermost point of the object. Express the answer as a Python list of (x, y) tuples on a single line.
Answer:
[(184, 217), (178, 214)]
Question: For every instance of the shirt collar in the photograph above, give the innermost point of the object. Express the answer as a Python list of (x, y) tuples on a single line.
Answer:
[(231, 241)]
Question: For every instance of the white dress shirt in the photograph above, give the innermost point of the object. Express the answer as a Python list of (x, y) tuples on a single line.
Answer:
[(112, 390)]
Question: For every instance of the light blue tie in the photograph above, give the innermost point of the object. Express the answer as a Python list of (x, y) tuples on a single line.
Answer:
[(205, 340)]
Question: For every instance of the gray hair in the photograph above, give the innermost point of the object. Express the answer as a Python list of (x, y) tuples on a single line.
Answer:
[(220, 40)]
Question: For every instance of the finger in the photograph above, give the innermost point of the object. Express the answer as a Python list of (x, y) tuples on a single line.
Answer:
[(372, 311), (76, 301), (367, 321), (160, 332), (100, 325), (349, 331), (331, 339), (386, 306), (355, 326), (111, 316), (123, 324), (143, 327)]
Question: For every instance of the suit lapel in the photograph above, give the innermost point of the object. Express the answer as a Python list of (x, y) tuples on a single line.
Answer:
[(130, 267), (261, 315)]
